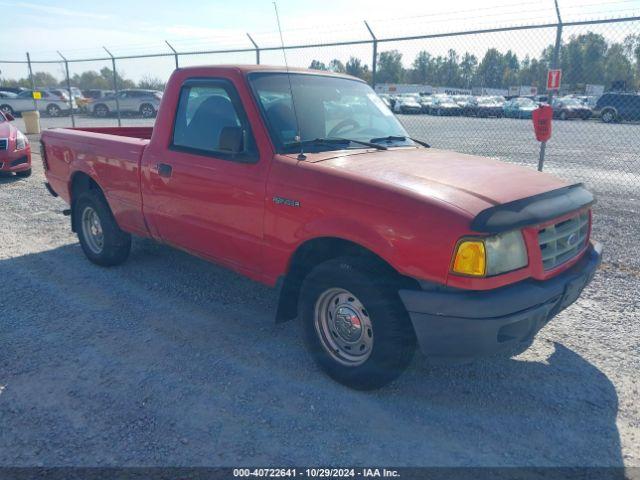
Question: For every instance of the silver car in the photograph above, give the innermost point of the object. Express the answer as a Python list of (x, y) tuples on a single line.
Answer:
[(53, 102), (142, 102)]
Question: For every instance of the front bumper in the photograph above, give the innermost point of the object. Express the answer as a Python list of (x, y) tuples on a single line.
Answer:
[(466, 324), (15, 162)]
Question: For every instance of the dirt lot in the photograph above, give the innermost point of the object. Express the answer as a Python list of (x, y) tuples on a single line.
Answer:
[(169, 360)]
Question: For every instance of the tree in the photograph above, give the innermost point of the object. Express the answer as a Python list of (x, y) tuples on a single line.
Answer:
[(490, 69), (149, 82), (336, 65), (617, 66), (44, 79), (317, 65), (355, 67), (451, 69), (390, 67), (421, 67), (468, 67)]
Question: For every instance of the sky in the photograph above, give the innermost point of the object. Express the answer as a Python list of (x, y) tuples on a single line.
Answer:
[(81, 29)]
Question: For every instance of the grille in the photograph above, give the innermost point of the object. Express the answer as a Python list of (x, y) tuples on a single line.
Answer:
[(563, 241), (19, 161), (4, 143)]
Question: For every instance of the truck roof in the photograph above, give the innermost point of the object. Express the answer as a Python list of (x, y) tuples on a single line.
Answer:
[(246, 69)]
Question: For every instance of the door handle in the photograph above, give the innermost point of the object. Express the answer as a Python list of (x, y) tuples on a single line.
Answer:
[(164, 170)]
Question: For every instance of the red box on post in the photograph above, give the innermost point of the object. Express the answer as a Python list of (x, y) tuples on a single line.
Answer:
[(542, 122)]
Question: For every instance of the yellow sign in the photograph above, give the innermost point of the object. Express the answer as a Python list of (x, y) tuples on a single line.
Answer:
[(37, 95)]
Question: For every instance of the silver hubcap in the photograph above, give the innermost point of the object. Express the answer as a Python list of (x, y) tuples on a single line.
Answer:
[(92, 230), (343, 327), (147, 111)]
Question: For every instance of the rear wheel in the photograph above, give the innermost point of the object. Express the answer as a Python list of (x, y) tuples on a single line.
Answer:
[(102, 240), (147, 110), (563, 115), (54, 110), (354, 323)]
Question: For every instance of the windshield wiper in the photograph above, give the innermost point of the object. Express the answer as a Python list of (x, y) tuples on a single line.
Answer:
[(335, 141), (400, 138)]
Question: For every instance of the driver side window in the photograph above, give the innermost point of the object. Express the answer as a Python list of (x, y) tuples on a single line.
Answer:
[(210, 121)]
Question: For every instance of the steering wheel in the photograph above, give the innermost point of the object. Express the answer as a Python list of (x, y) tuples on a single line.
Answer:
[(348, 122)]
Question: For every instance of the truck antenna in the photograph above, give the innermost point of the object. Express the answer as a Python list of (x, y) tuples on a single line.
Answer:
[(298, 137)]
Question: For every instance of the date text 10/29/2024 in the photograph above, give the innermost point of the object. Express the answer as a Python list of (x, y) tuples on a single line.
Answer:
[(316, 473)]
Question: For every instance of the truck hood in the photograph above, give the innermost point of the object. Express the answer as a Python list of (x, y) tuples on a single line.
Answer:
[(468, 182)]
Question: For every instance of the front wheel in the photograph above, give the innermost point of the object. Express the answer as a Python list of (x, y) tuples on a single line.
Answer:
[(354, 323), (7, 109), (102, 240), (608, 116), (101, 111)]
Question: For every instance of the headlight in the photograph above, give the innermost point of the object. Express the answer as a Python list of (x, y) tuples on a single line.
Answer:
[(488, 256), (21, 141)]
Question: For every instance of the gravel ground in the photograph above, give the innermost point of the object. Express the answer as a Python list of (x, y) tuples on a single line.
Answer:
[(169, 360)]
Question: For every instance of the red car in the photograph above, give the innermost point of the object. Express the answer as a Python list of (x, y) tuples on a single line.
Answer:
[(15, 151), (307, 182)]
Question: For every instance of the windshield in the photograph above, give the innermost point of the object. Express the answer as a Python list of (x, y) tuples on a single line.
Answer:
[(570, 102), (326, 107), (525, 102)]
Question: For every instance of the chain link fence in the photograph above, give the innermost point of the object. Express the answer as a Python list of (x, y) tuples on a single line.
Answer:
[(475, 89)]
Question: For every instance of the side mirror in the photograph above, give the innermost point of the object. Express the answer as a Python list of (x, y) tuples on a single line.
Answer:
[(9, 117), (231, 139)]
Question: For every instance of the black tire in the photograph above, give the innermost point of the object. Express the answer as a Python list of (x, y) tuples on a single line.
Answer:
[(609, 115), (393, 336), (147, 110), (24, 173), (101, 110), (563, 115), (54, 110), (7, 109), (116, 243)]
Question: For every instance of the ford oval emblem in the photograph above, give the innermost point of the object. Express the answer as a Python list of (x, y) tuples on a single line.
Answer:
[(572, 239)]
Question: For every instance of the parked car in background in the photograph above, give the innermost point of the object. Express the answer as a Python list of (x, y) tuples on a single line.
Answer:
[(466, 103), (407, 104), (443, 105), (486, 107), (96, 94), (80, 99), (15, 151), (385, 100), (15, 90), (51, 103), (520, 107), (566, 108), (615, 107), (142, 102), (426, 102)]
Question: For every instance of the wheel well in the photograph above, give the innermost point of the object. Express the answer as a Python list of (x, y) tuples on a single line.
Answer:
[(314, 252), (80, 182)]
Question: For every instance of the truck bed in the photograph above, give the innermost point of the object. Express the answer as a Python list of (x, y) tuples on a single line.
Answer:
[(108, 155), (132, 132)]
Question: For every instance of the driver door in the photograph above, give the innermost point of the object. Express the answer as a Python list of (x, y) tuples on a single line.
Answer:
[(199, 196)]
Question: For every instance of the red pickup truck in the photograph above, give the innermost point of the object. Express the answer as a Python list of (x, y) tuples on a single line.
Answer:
[(307, 182)]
